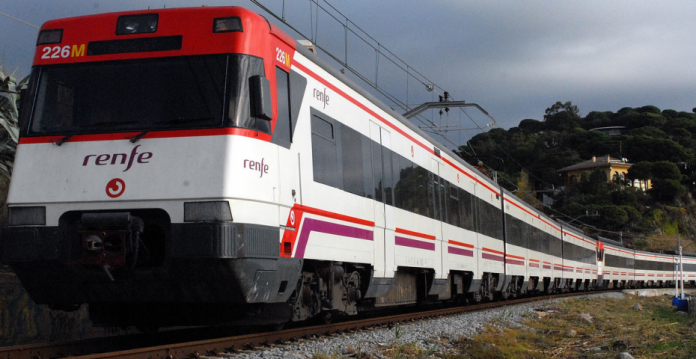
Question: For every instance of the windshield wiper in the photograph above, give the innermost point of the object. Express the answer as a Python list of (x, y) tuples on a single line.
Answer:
[(62, 140), (137, 137), (178, 120)]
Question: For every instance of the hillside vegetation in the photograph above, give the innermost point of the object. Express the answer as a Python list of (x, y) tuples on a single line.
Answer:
[(660, 143)]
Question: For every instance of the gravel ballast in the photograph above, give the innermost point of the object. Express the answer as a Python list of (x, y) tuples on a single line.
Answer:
[(430, 333)]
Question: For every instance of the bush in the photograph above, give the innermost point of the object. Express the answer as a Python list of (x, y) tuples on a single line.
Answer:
[(624, 197), (633, 214), (666, 190), (613, 216)]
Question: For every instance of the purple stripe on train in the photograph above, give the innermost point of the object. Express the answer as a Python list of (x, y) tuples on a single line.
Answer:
[(514, 261), (407, 242), (315, 225), (491, 257), (460, 251)]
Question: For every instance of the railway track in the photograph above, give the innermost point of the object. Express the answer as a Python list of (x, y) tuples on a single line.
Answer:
[(141, 346)]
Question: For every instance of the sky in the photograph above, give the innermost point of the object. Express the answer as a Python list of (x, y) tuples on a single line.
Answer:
[(514, 58)]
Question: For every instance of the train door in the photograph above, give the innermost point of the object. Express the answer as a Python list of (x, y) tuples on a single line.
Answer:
[(287, 192), (439, 193), (384, 197)]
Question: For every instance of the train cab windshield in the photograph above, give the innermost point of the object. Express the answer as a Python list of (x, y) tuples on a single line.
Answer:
[(145, 95)]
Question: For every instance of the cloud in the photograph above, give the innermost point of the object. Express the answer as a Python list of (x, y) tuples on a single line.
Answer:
[(513, 57)]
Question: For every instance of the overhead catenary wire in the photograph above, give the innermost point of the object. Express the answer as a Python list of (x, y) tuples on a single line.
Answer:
[(382, 56), (625, 234), (19, 20)]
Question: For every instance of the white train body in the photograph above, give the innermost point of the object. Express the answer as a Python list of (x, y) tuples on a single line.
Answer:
[(331, 202)]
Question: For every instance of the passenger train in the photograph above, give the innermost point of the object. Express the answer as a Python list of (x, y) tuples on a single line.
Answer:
[(198, 166)]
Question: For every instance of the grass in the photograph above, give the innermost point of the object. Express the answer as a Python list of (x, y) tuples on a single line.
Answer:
[(657, 331)]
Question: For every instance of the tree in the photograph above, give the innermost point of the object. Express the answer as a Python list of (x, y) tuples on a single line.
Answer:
[(666, 170), (531, 126), (613, 216), (596, 183), (624, 197), (670, 113), (666, 190), (559, 107), (562, 117), (596, 119), (649, 109), (643, 148), (649, 131), (641, 171)]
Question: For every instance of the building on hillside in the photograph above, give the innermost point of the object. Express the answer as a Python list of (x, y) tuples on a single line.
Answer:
[(611, 130), (616, 170)]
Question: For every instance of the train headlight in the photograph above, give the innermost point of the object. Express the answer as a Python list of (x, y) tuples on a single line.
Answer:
[(227, 24), (27, 216), (136, 24), (218, 211), (47, 37)]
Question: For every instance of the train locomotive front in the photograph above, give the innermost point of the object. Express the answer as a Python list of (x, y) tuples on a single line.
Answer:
[(146, 179)]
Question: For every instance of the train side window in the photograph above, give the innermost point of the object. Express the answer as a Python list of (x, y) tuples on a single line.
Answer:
[(534, 241), (282, 132), (452, 205), (356, 162), (324, 152), (516, 231), (402, 171), (490, 220), (418, 187), (433, 196), (410, 186), (342, 156), (466, 210)]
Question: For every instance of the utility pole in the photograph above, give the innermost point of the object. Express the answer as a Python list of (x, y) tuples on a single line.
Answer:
[(681, 267)]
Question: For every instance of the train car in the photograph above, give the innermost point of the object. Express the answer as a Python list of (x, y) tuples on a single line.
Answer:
[(618, 266), (652, 269), (689, 269), (579, 259), (532, 246)]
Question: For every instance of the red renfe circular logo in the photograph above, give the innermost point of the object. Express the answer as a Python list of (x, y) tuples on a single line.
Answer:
[(115, 187)]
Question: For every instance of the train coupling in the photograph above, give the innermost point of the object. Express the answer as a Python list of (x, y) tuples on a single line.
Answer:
[(110, 241)]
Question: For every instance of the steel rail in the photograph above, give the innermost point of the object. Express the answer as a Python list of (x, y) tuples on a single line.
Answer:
[(116, 347)]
